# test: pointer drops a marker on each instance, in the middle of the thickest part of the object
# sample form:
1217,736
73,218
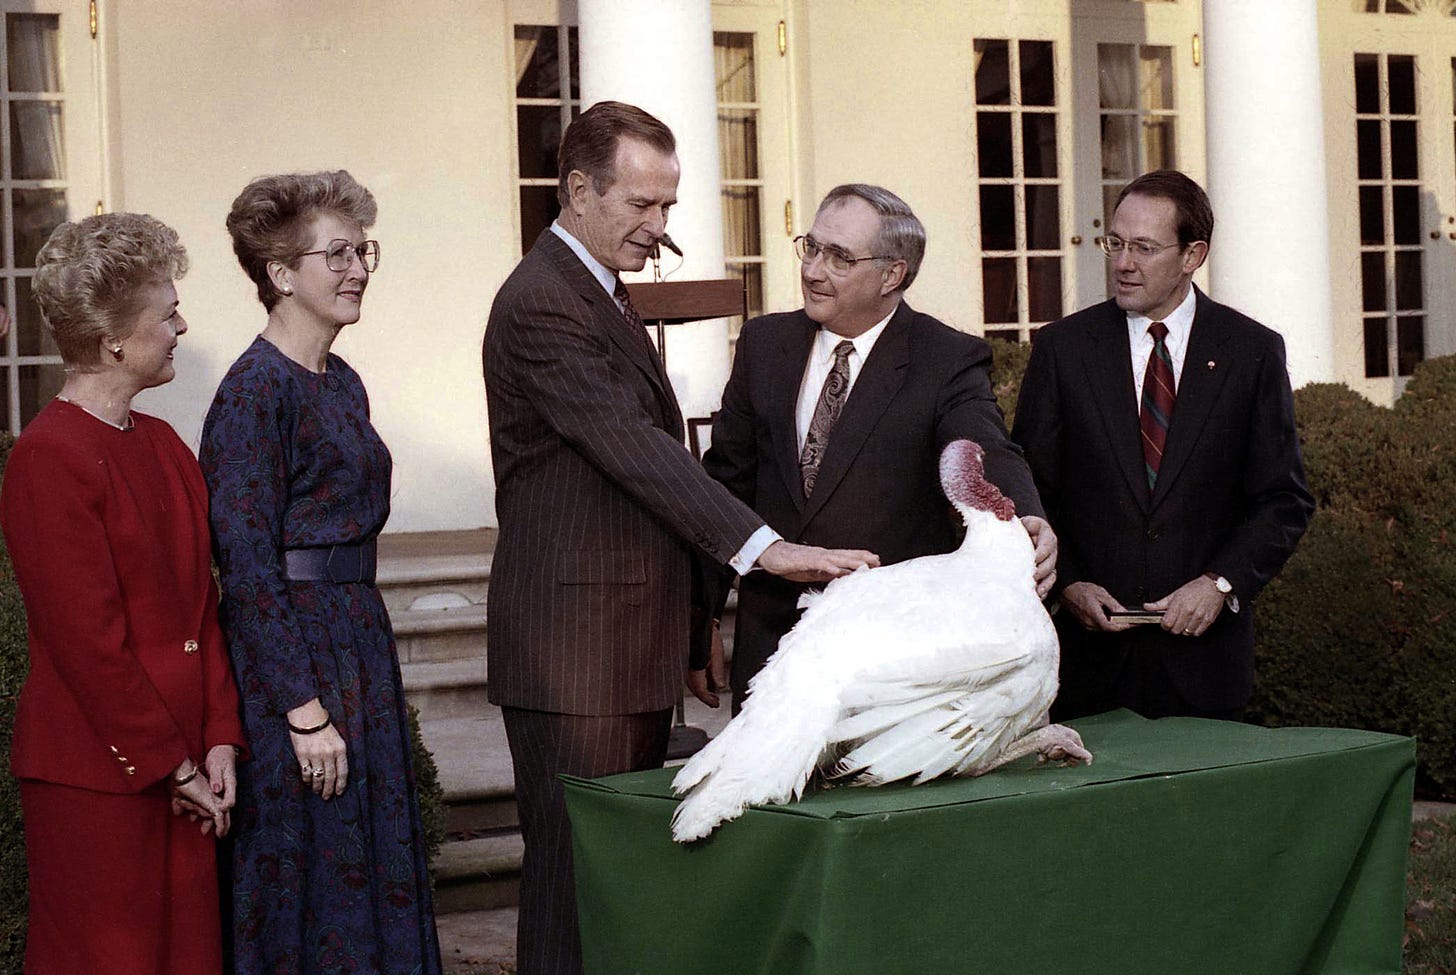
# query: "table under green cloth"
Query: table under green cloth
1189,846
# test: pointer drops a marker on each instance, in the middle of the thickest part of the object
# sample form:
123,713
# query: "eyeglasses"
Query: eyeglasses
836,259
340,253
1112,246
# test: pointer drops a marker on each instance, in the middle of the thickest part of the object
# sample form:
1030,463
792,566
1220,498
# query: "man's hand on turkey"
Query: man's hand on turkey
807,563
1044,541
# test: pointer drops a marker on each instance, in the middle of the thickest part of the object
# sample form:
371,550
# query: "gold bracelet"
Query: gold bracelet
179,783
309,731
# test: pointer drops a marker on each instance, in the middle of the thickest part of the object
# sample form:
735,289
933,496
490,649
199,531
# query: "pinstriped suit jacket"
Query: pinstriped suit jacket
602,510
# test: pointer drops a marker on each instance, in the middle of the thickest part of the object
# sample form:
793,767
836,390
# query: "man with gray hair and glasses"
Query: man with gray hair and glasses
835,415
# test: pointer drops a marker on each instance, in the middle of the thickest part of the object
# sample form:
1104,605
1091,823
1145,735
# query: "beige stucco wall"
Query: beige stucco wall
411,98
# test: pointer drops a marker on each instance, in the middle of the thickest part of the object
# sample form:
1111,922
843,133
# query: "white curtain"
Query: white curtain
737,141
526,40
1117,89
34,67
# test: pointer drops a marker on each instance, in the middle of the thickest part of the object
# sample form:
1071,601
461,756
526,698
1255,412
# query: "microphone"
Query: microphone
666,241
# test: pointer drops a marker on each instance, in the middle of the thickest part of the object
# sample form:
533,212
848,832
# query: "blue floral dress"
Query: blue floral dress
292,461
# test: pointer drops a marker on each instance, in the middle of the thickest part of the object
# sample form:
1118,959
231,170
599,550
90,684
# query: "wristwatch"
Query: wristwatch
1220,583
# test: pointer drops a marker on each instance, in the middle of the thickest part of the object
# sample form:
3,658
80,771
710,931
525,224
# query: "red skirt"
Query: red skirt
118,885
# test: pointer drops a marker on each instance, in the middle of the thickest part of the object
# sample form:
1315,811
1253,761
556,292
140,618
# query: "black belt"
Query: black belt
332,563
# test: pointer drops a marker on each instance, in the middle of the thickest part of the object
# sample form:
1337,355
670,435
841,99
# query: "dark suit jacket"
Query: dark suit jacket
923,385
600,505
1231,496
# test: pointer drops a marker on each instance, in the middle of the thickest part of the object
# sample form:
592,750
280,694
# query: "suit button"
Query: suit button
1152,535
190,646
113,750
131,770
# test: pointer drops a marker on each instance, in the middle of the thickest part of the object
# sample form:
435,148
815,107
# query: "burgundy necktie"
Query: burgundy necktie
1157,405
826,412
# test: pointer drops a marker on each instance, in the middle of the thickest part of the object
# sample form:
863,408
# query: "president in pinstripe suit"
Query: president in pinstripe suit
605,518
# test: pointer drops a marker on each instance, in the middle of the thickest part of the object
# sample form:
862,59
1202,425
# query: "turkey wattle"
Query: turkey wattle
942,664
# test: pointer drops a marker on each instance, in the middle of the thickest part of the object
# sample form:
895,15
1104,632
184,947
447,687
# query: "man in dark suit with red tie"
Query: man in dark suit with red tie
834,416
1160,427
603,512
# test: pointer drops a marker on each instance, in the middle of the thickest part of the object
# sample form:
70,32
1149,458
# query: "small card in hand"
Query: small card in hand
1135,615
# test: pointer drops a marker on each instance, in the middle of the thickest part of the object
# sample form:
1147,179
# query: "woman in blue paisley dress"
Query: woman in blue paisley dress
328,866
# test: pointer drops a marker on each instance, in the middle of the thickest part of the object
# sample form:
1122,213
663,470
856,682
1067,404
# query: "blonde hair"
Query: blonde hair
89,274
270,219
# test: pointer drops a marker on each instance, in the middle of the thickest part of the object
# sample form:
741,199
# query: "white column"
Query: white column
658,55
1266,174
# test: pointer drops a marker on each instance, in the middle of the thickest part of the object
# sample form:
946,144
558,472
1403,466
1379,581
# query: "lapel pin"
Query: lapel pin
1210,363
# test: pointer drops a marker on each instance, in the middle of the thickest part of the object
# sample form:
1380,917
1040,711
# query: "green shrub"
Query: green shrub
1360,628
1008,365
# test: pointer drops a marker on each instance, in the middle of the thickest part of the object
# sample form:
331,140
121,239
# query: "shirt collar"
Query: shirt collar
605,276
825,340
1179,321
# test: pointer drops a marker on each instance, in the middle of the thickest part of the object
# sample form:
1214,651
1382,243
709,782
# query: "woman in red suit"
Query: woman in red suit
128,721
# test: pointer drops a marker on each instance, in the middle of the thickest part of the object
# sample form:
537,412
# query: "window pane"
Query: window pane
1116,74
538,209
993,143
37,213
1372,215
998,218
1109,204
1372,280
1044,288
993,73
733,60
1367,151
33,52
1119,146
1043,218
1404,153
1409,290
38,385
1039,144
1402,68
538,136
738,138
1410,343
998,288
538,68
1367,84
741,234
1157,63
31,335
1158,149
752,277
574,65
1406,214
1377,355
36,151
1038,80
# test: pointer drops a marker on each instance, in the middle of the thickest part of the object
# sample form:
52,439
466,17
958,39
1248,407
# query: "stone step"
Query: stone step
446,688
436,634
478,874
416,582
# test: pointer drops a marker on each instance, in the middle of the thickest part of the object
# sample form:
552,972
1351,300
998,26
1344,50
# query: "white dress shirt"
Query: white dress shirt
1180,323
821,360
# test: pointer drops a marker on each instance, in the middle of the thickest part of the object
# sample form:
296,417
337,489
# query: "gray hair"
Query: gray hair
901,236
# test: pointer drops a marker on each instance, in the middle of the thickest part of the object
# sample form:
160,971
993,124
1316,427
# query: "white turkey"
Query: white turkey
942,664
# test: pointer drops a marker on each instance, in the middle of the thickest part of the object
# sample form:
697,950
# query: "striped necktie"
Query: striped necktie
1157,405
826,413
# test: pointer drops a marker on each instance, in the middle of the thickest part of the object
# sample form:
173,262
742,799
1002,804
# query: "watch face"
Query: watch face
1224,586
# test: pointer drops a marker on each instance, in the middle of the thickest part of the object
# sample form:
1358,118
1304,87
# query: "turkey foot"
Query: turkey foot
1052,743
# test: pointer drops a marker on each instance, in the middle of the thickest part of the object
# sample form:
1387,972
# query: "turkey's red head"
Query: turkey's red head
963,479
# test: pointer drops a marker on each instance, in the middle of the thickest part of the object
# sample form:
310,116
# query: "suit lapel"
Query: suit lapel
795,342
1109,376
1205,365
879,379
633,341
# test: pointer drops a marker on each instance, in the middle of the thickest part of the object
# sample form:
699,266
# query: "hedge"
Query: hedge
13,663
1359,630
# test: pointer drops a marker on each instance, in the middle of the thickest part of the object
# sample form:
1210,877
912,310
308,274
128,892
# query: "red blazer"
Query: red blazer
129,675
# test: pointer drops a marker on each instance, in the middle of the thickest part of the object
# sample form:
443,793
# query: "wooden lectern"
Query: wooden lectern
661,304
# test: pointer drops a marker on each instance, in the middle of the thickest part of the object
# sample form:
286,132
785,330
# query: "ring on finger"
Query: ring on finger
317,773
308,770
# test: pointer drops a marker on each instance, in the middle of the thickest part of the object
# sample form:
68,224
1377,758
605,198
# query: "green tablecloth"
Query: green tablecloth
1189,846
